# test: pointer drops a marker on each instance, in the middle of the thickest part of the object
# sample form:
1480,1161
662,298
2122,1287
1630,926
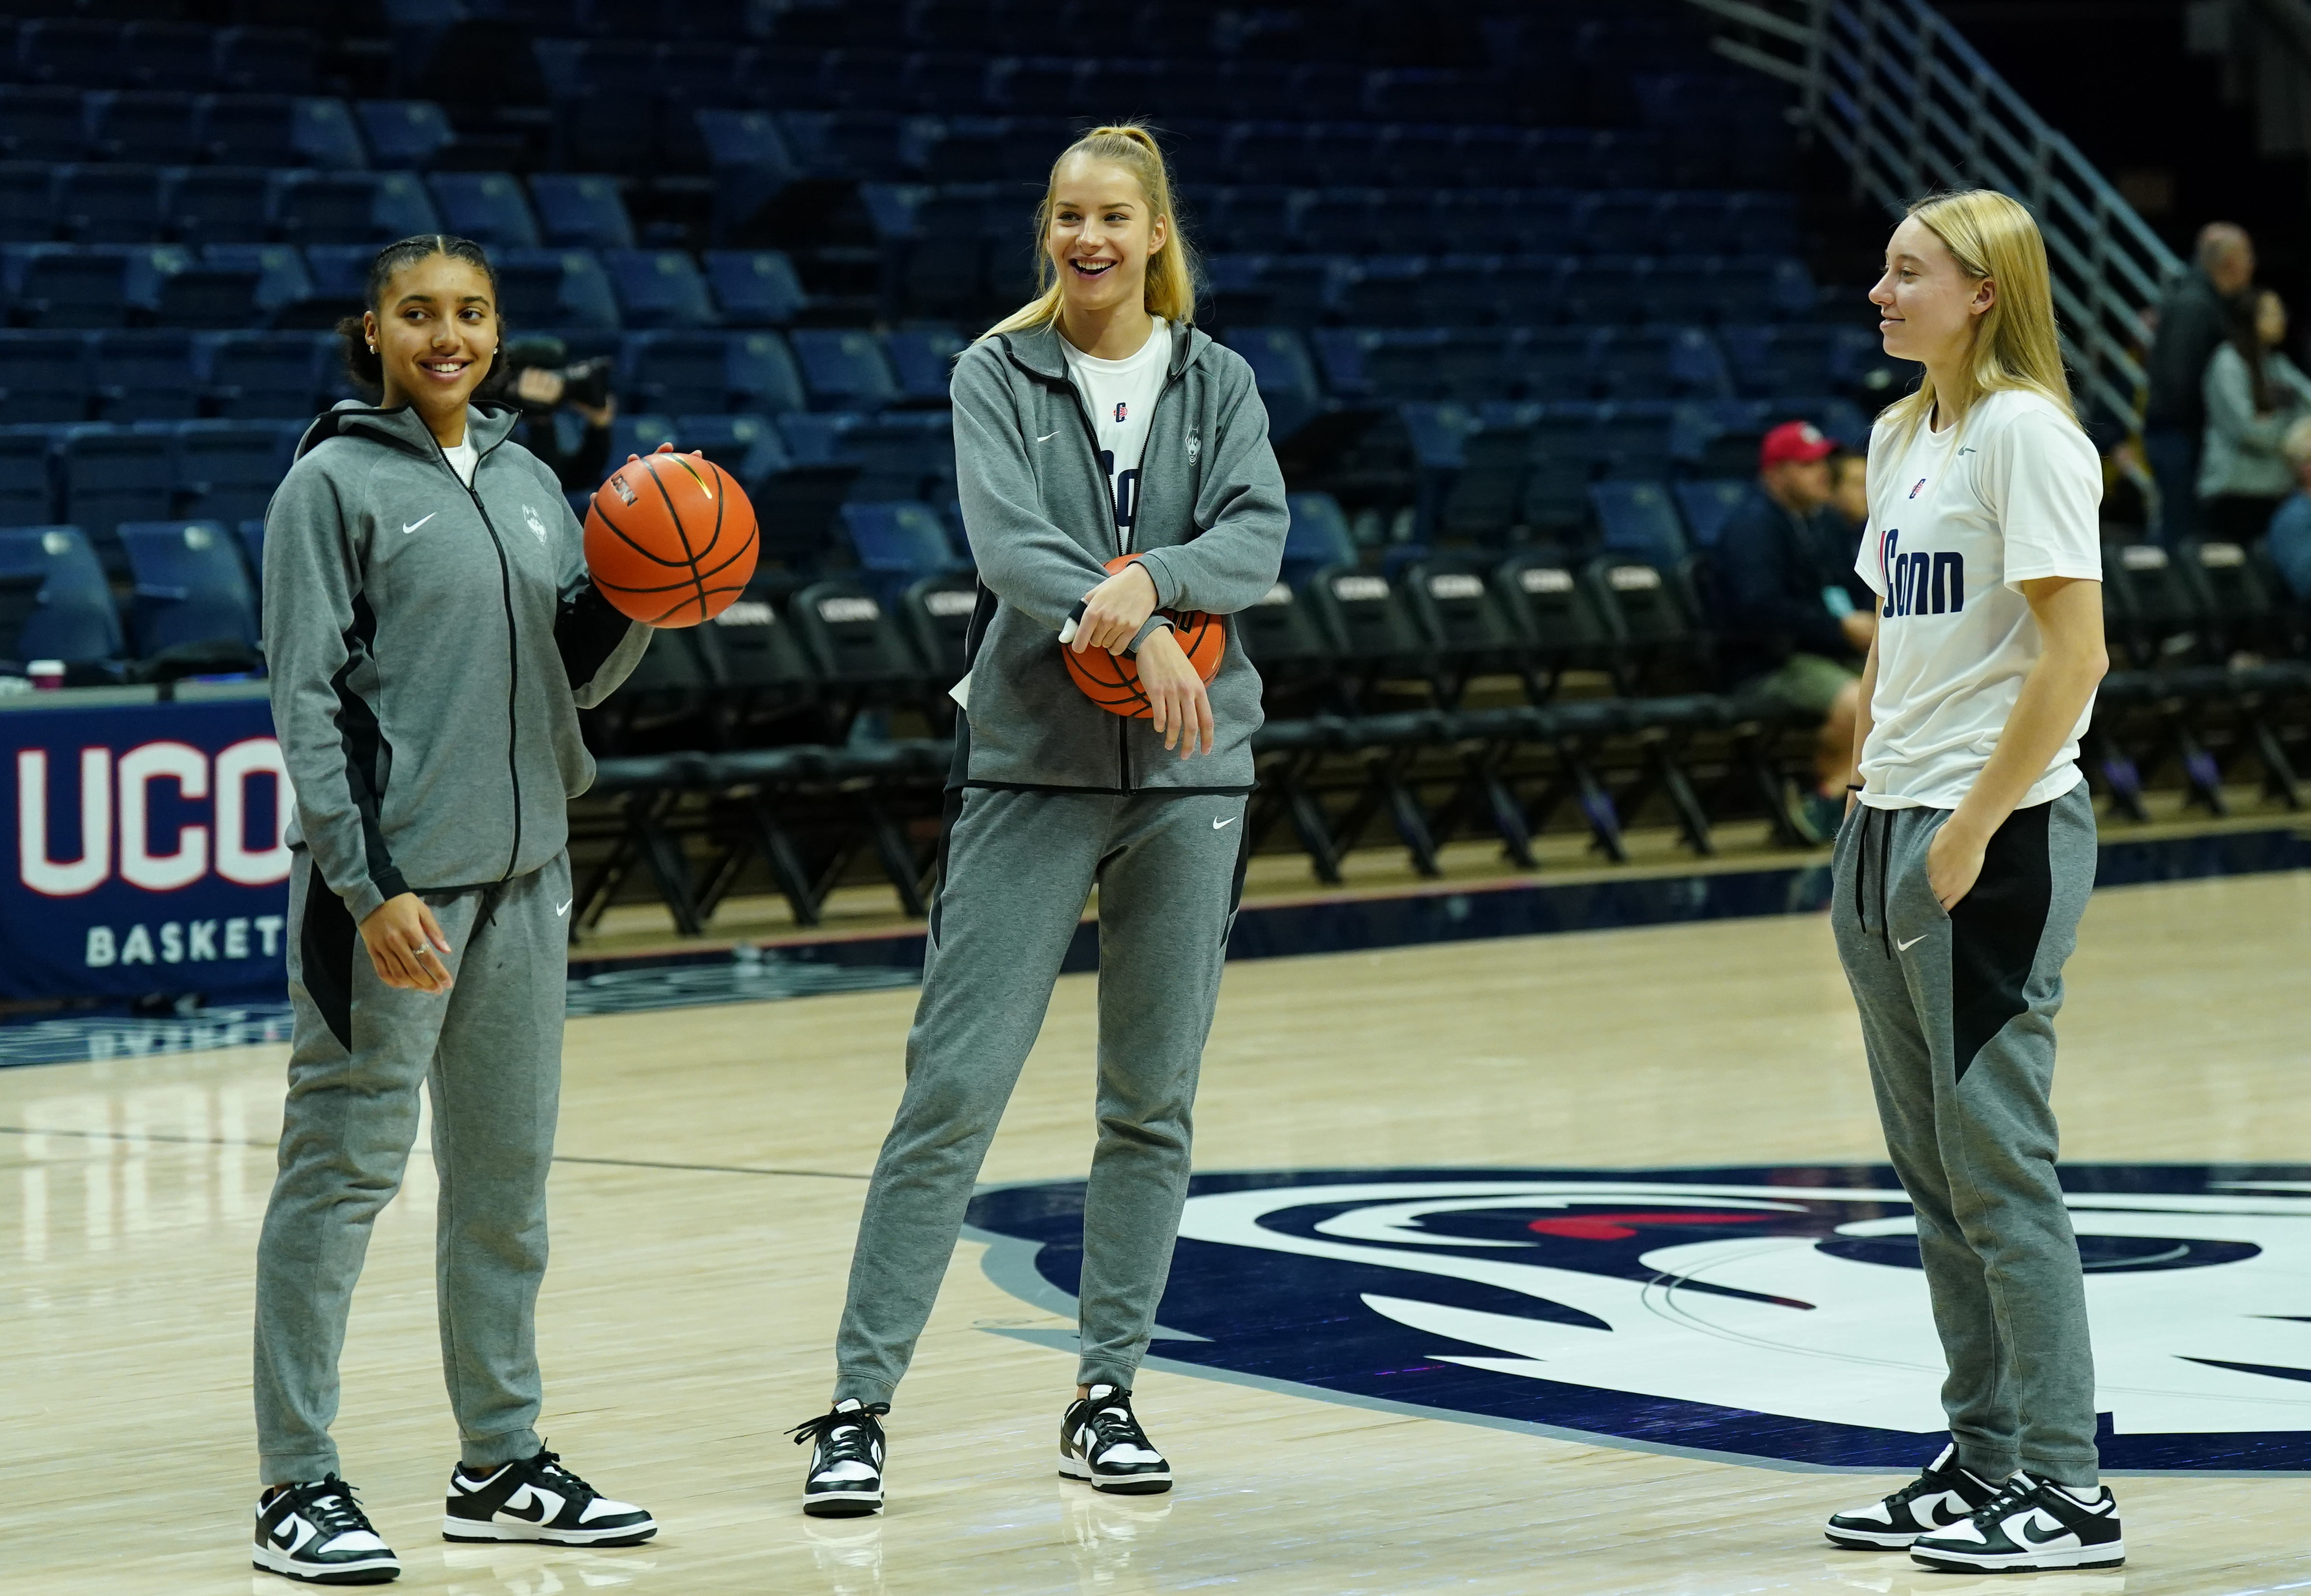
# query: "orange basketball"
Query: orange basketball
1111,681
670,539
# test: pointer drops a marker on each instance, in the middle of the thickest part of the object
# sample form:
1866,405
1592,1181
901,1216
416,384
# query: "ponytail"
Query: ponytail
1171,291
361,362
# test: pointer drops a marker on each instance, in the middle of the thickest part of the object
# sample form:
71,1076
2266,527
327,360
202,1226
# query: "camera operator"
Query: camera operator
540,378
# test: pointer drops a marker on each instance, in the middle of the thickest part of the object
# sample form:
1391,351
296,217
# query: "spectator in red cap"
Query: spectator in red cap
1789,630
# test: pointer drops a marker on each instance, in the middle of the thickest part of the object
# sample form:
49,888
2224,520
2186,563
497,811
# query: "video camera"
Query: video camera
582,383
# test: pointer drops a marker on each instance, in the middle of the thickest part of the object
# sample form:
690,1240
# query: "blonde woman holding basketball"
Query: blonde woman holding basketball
1963,866
1095,423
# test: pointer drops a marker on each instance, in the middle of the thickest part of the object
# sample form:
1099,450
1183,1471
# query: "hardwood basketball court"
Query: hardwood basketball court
712,1173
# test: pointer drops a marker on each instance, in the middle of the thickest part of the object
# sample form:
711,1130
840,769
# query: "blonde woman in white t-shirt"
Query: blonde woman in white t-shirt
1962,868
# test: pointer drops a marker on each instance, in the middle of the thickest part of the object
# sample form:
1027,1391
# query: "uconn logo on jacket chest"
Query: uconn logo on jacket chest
1920,582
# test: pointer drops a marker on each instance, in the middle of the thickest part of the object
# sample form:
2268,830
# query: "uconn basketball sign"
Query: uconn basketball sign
1772,1315
148,851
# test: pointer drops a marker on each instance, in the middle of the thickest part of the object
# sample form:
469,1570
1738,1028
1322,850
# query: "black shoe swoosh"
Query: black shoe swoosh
2030,1532
535,1513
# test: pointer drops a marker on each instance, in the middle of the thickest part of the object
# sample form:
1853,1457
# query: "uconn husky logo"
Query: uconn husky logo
1774,1315
1929,582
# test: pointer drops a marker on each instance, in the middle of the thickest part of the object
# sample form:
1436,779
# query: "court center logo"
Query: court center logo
1774,1315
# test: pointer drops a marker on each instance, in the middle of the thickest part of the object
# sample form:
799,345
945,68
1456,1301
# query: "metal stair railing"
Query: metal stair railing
1910,106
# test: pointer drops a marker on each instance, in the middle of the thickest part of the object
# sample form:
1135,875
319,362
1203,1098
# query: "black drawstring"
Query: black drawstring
1885,892
1869,822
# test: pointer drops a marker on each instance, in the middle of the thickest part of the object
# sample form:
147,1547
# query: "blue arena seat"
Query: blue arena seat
44,377
755,287
1638,517
487,206
641,433
583,209
1707,505
76,621
81,52
747,446
220,205
571,290
761,373
28,203
1287,377
659,288
133,126
843,368
676,373
1318,536
41,124
282,277
110,475
28,495
312,207
188,292
898,543
174,56
56,285
278,130
227,470
190,586
266,60
142,374
404,133
922,359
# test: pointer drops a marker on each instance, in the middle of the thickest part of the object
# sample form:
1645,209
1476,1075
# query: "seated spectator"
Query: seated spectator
2254,395
1843,525
2290,538
1783,634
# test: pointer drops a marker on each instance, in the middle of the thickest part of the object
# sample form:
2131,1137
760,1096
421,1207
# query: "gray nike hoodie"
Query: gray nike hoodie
429,646
1041,524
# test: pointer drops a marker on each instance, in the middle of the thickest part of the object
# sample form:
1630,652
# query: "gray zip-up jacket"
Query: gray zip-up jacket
1036,507
430,647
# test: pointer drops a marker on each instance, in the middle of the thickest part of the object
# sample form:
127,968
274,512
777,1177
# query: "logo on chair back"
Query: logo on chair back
1774,1314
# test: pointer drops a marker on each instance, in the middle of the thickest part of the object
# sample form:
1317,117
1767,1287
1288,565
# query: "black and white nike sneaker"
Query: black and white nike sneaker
1101,1441
846,1460
536,1498
317,1532
1944,1495
2031,1526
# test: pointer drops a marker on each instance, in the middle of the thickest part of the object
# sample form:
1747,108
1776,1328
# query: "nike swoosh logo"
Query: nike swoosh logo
421,521
2055,1531
1912,942
533,1511
1224,824
1047,437
565,906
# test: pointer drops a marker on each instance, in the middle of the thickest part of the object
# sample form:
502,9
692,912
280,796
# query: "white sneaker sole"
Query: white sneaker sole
369,1571
842,1505
1118,1484
491,1530
1870,1540
2107,1555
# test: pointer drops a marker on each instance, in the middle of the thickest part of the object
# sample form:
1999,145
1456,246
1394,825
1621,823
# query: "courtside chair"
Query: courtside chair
1456,608
861,654
404,133
190,587
142,374
1373,635
486,207
75,621
583,210
936,611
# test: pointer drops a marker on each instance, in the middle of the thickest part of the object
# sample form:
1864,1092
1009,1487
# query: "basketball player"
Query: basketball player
1094,422
1962,870
431,636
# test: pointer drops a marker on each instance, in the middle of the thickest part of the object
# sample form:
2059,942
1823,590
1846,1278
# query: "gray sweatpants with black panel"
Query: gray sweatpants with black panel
1017,868
489,1051
1957,1016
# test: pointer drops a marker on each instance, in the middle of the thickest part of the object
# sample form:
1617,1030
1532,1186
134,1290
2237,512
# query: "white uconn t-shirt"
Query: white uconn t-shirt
1121,394
1957,519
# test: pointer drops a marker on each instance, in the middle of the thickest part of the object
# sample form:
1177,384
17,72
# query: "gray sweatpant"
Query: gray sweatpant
1014,872
489,1053
1957,1016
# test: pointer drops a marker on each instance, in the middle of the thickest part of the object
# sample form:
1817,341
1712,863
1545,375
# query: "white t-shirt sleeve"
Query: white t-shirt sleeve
2044,481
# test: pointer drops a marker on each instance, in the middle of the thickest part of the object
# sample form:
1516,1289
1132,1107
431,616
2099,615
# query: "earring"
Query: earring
372,349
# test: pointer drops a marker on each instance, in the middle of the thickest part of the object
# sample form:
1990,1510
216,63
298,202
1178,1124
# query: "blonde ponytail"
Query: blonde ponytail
2016,345
1170,270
